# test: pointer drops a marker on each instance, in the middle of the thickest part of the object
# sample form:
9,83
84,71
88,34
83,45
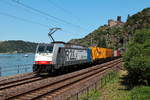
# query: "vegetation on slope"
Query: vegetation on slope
104,36
118,35
137,57
138,21
17,47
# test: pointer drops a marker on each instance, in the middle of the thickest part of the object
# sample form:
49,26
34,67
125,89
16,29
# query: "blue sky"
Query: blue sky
83,17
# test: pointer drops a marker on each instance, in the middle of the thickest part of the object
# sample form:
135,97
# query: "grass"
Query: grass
92,95
140,93
113,89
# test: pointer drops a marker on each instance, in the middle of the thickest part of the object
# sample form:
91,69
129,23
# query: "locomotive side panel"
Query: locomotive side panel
71,56
60,58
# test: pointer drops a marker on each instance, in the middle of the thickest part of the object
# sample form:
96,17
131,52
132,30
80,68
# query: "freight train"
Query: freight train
51,57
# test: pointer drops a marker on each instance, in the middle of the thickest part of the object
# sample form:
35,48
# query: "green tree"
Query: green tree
137,57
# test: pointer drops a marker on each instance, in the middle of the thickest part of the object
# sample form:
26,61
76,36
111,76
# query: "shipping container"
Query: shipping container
101,53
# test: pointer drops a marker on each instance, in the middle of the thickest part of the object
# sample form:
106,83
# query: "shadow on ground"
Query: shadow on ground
129,82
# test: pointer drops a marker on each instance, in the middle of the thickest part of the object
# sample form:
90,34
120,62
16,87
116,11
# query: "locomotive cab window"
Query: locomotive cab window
49,49
41,49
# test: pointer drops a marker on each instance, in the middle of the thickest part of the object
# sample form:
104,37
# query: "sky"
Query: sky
30,20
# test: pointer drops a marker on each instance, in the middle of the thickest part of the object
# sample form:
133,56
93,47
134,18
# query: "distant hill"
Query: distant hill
17,46
118,35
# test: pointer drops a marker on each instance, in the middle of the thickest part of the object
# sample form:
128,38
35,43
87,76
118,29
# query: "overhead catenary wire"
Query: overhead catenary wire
23,19
26,20
64,10
30,21
27,10
68,12
47,14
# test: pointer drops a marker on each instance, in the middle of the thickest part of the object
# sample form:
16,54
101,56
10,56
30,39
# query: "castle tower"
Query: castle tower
118,18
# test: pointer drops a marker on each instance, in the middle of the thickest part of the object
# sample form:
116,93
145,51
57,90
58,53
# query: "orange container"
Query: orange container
109,53
100,53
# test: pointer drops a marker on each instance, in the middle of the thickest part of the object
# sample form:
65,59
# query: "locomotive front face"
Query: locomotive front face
44,54
43,58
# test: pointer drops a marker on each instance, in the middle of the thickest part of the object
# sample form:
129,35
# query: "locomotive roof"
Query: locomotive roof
46,44
60,42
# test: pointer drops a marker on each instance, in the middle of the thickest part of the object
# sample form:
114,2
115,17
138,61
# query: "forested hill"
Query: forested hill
17,46
116,36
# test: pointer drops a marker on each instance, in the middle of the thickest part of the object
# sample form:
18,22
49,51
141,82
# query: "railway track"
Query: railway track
15,78
48,88
19,82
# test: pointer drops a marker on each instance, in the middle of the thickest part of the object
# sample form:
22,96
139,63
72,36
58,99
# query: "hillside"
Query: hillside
118,35
17,46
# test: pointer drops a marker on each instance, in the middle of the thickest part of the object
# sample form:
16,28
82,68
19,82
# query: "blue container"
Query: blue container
89,55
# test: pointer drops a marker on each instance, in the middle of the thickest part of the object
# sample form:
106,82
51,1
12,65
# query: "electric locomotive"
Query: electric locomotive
56,55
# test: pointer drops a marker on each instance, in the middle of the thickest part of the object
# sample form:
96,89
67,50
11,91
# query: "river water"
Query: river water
11,64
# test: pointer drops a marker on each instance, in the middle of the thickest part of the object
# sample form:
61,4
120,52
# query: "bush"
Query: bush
137,57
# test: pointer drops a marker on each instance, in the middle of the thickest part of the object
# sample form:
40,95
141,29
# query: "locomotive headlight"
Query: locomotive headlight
43,62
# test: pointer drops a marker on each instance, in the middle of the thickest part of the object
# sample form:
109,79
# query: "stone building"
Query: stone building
112,22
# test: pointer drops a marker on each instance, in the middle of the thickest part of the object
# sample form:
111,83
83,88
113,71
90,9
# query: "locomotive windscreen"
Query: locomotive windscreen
45,49
49,49
41,49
